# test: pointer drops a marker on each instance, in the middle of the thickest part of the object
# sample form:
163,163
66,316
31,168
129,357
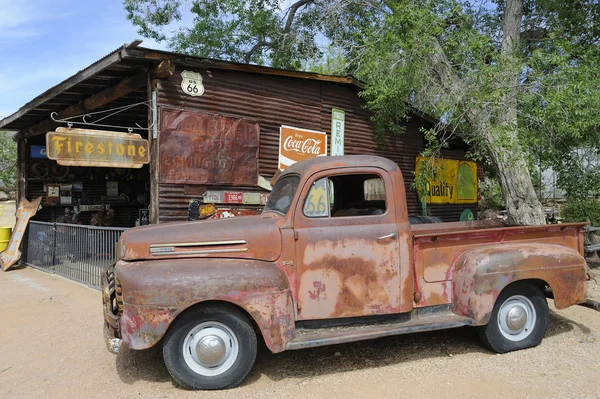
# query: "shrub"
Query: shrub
490,196
582,211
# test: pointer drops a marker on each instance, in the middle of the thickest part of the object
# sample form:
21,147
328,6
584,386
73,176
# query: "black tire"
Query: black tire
492,334
209,316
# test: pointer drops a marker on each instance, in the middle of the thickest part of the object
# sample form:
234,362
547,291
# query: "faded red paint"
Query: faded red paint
482,273
285,268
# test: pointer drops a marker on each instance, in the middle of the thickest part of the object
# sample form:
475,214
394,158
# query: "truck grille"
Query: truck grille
119,297
115,292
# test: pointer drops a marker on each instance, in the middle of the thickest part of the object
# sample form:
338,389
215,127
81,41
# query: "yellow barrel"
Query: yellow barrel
5,233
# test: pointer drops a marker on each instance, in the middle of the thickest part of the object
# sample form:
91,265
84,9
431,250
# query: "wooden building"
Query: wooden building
251,102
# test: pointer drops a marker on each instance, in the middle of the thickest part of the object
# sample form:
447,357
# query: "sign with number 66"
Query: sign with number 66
191,83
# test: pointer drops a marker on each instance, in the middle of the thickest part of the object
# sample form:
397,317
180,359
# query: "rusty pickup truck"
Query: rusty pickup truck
331,259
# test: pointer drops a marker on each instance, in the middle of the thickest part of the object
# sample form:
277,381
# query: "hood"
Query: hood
250,237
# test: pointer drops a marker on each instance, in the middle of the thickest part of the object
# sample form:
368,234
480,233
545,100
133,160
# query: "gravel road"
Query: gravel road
51,346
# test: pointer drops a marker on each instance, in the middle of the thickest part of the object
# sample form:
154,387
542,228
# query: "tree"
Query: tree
509,77
8,161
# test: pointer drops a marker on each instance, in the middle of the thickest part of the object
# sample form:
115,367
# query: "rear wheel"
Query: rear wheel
213,347
519,319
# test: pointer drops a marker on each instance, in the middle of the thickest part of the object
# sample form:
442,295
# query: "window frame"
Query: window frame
375,173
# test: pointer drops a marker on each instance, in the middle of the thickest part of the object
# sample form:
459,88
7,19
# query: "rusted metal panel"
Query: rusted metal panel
436,253
482,273
198,148
260,288
347,267
84,147
187,239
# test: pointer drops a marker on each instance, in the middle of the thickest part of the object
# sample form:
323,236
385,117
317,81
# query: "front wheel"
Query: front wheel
212,347
519,319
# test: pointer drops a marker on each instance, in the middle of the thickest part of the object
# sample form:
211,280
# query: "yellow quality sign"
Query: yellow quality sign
84,147
455,181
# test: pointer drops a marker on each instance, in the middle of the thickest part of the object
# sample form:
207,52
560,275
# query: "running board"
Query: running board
309,338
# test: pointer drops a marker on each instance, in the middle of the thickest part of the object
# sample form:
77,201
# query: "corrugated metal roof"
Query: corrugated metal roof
122,63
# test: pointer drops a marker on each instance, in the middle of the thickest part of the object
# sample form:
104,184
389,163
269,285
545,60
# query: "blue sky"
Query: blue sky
43,42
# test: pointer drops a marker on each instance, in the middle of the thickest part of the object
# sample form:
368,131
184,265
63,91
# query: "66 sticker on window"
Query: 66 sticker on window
191,83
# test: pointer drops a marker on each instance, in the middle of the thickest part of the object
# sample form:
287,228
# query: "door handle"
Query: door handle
387,237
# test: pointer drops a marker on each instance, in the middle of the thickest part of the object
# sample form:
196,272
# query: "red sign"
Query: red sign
233,198
205,149
299,144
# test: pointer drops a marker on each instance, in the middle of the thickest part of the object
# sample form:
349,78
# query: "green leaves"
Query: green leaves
8,161
442,57
256,31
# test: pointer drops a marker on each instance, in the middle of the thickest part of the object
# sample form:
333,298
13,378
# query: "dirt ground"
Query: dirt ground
51,346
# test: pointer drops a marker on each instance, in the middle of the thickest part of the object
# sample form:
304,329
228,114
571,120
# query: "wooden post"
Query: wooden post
154,161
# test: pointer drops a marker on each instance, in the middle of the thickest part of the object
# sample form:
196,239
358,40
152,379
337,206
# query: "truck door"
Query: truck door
347,251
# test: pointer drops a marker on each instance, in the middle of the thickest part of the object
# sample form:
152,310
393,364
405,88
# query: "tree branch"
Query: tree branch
292,13
259,44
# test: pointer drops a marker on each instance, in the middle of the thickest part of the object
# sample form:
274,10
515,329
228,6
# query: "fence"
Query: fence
73,251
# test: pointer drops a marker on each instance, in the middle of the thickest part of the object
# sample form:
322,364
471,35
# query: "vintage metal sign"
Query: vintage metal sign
233,197
455,181
299,144
26,210
83,147
338,118
204,149
191,83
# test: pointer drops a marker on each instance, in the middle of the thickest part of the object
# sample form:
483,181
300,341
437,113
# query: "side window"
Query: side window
346,196
317,201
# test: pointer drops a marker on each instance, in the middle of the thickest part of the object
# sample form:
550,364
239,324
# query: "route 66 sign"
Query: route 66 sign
191,83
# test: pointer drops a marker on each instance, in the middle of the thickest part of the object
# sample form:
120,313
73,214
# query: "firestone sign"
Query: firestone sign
84,147
299,144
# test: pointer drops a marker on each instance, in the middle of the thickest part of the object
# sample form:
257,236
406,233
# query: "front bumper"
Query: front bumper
110,308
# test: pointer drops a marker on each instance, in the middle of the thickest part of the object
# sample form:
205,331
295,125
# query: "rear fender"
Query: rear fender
480,275
156,292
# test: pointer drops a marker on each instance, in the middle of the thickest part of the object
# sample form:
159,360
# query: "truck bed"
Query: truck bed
437,246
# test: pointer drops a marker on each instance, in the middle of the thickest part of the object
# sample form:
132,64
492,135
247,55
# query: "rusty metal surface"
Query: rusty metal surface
198,148
85,147
343,268
436,254
482,273
282,269
187,239
150,305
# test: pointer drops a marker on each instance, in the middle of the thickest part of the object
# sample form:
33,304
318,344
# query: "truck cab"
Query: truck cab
332,259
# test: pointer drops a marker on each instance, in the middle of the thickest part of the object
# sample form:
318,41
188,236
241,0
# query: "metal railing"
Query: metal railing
73,251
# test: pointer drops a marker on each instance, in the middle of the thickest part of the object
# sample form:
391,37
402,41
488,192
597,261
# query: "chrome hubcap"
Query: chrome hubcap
210,348
516,318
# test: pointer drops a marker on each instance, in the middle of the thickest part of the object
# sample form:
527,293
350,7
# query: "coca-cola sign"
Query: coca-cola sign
299,144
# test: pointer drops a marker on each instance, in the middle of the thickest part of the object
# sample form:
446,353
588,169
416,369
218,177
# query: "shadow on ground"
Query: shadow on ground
148,365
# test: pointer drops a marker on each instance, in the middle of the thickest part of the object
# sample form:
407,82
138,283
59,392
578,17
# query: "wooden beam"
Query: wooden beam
164,70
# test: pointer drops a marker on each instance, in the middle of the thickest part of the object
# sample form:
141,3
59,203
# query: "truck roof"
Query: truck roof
319,163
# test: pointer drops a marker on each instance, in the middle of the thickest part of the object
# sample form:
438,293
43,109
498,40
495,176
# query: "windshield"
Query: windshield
283,192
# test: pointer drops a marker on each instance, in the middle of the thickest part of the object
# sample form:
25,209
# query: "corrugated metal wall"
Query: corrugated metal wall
273,101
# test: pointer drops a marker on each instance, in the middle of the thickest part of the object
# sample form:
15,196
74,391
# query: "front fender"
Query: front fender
480,274
156,292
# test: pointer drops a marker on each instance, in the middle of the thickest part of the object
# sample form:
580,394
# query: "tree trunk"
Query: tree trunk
522,204
498,135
